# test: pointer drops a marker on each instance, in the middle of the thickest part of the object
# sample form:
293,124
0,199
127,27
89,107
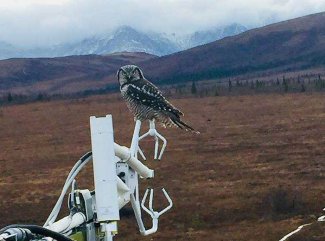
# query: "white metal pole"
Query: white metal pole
102,142
135,139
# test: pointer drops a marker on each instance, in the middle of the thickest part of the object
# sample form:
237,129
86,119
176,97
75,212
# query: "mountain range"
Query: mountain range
125,38
288,46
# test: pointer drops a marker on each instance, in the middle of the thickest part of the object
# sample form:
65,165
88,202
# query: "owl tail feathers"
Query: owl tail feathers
183,125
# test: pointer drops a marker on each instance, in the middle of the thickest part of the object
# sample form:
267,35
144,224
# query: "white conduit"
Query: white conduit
293,232
68,223
73,173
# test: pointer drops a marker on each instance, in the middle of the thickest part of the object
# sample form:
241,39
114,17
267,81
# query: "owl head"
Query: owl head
128,74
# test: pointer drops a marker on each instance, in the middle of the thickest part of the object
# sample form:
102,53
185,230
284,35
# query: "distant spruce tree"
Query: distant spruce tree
319,83
257,84
303,88
277,81
193,88
252,85
285,84
40,97
9,97
229,85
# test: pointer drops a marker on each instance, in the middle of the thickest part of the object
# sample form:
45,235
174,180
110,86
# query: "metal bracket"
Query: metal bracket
154,133
153,214
134,196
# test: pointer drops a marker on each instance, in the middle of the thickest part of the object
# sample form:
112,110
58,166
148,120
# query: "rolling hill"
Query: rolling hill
290,45
64,74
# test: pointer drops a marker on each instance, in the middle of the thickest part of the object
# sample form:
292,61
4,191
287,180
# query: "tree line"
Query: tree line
283,84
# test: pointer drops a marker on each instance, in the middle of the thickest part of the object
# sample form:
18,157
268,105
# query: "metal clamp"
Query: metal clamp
135,148
150,211
153,214
153,132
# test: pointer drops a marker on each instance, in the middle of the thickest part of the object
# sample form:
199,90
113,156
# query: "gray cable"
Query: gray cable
73,173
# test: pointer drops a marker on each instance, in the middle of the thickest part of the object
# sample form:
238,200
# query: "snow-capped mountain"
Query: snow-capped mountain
126,39
204,37
129,39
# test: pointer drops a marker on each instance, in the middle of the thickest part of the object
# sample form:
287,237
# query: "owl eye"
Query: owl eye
121,76
137,73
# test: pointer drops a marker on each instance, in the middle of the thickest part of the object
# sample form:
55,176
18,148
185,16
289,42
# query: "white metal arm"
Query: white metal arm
153,214
150,211
134,196
151,132
135,139
125,154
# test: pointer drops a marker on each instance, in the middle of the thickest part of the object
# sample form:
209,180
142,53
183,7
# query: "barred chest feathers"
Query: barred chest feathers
136,106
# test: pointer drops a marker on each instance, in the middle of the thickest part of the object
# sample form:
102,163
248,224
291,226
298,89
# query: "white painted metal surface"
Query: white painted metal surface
102,143
109,229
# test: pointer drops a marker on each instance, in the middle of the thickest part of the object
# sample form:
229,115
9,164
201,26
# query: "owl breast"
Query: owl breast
144,112
140,111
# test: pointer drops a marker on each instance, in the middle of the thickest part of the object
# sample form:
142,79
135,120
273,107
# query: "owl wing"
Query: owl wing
148,94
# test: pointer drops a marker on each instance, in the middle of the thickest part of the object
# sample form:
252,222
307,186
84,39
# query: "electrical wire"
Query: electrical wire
73,173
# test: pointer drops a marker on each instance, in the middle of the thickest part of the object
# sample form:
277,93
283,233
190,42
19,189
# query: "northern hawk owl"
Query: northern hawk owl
145,100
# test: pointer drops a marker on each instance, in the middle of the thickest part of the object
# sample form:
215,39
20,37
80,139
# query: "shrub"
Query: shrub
283,201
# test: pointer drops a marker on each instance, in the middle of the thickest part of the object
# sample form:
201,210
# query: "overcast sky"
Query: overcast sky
45,22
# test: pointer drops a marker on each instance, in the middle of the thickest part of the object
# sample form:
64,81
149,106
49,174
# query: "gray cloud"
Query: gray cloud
40,23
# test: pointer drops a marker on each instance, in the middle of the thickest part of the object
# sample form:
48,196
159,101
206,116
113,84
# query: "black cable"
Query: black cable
84,157
35,229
